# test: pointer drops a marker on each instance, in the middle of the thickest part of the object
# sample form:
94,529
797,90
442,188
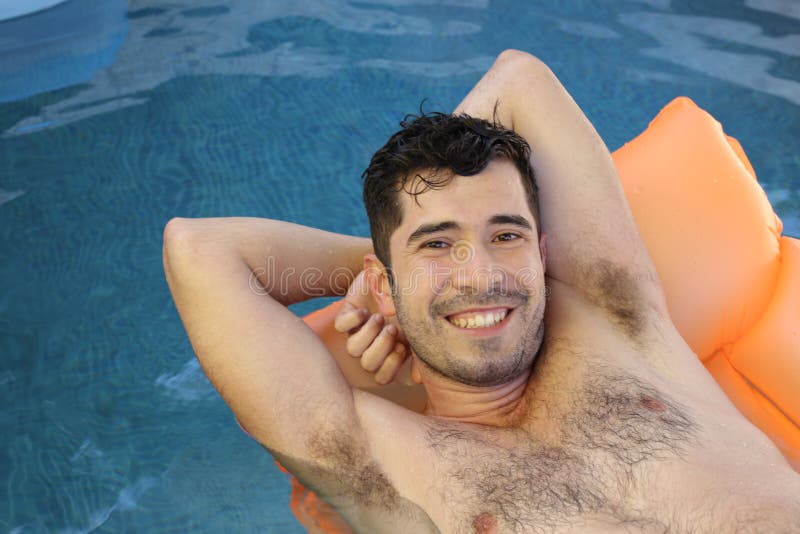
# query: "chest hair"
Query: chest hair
614,425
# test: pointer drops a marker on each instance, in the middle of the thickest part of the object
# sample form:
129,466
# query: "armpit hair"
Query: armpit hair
614,288
340,468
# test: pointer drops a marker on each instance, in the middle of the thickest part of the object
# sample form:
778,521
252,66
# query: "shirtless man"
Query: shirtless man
604,422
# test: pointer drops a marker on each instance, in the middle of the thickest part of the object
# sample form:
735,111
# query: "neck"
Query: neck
501,406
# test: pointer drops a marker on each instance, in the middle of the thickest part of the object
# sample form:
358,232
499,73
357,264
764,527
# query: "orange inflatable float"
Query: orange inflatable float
732,281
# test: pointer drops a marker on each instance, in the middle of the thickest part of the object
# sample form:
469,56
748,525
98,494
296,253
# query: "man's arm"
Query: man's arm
231,280
592,241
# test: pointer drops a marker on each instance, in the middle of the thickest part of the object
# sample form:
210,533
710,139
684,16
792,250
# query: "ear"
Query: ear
378,282
543,251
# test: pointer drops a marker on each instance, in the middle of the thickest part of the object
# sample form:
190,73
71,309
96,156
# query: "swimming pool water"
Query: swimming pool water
116,116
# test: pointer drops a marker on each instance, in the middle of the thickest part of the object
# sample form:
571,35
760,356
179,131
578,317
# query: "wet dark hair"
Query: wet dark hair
442,146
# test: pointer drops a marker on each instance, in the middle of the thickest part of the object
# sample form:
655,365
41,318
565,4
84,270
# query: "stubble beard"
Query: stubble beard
485,365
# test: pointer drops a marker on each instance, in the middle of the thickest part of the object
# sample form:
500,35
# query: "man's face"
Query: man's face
469,277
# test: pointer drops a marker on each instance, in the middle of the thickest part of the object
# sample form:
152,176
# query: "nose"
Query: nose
474,268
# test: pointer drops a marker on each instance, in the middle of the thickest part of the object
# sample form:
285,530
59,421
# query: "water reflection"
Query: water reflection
186,37
587,29
58,47
10,8
697,43
8,196
788,8
430,68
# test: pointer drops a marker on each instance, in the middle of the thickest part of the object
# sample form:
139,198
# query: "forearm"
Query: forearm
572,166
286,261
583,208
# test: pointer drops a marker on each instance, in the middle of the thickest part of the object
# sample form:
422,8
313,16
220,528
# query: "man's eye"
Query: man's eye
435,244
508,236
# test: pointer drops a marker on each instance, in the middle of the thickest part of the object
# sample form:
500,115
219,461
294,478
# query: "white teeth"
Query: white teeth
480,321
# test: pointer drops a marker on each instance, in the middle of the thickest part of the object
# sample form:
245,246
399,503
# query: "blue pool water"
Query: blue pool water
116,116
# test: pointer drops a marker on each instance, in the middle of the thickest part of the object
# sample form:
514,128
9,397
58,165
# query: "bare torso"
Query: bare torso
616,432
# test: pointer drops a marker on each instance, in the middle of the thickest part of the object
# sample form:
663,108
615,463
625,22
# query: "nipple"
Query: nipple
652,404
485,523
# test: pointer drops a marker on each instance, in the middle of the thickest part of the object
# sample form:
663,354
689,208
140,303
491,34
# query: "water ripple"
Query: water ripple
787,8
165,42
684,41
587,29
437,69
127,499
187,384
8,196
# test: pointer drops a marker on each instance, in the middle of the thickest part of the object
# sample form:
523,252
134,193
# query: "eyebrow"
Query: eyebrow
433,228
516,220
428,229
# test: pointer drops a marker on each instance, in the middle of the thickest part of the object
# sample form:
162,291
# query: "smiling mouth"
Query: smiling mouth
478,318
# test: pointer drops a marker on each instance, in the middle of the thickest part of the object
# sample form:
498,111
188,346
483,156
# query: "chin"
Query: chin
480,368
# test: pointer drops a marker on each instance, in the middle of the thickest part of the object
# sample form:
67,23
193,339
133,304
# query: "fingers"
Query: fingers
391,365
371,340
358,342
379,349
349,317
384,356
